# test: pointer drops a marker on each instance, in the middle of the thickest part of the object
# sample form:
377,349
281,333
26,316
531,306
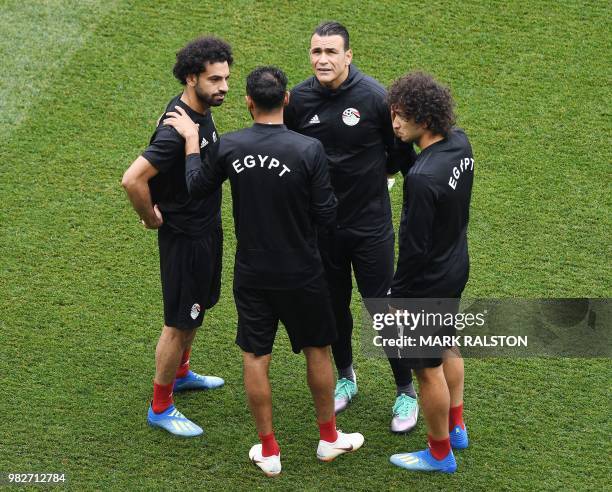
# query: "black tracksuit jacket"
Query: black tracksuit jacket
433,250
354,125
280,192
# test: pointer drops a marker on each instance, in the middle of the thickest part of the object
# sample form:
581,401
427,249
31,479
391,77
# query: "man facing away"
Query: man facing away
280,193
433,256
347,111
189,229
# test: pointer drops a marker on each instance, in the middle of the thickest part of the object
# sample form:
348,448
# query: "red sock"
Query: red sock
269,445
455,417
183,369
327,430
162,396
439,449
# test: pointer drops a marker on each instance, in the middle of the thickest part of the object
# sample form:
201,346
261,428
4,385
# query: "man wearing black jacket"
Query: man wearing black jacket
346,110
280,193
433,255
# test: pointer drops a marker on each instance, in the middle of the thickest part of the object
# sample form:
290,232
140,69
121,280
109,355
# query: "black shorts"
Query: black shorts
190,275
417,357
306,313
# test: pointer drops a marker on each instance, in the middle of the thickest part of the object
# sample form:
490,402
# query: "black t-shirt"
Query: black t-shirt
166,152
433,251
280,192
354,125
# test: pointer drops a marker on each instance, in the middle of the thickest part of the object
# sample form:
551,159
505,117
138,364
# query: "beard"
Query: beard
207,99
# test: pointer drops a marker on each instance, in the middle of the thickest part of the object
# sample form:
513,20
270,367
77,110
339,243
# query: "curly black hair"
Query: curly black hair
417,95
192,59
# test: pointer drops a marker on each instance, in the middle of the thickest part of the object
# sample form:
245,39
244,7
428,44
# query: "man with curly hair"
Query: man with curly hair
433,254
189,230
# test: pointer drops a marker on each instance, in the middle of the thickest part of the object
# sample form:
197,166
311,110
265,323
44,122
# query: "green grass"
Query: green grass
80,311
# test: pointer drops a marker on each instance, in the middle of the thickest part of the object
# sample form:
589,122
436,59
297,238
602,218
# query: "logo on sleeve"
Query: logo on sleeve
195,311
214,137
314,120
351,116
466,164
204,143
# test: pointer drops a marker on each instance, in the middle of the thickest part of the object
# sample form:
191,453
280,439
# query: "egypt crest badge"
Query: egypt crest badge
350,116
195,311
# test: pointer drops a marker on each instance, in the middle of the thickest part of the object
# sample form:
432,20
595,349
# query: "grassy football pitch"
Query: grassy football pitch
82,85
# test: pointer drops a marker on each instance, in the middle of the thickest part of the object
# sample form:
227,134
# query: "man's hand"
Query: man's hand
155,221
182,123
136,184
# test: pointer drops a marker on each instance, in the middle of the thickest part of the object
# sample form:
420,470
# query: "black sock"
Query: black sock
408,390
347,373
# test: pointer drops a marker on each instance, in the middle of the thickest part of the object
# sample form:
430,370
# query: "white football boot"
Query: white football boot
345,443
270,465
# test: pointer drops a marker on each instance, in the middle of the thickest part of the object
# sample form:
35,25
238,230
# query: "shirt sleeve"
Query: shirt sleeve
289,116
165,149
204,177
323,205
400,155
416,228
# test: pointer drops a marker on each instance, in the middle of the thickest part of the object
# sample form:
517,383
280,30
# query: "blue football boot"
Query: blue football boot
424,461
459,438
174,422
195,381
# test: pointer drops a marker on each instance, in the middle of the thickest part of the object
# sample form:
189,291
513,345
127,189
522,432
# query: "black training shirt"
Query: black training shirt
433,251
166,152
354,125
280,191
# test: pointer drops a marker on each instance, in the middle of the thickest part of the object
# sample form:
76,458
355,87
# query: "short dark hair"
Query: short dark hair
267,87
418,95
333,28
192,59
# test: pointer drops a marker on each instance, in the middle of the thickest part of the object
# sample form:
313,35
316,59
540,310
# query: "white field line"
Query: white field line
37,40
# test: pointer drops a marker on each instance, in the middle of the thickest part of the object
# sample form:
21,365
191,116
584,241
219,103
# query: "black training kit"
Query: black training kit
433,251
166,152
280,190
354,125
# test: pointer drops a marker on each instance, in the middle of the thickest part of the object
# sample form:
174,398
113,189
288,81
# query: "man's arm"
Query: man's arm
202,178
416,228
289,118
324,204
136,184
